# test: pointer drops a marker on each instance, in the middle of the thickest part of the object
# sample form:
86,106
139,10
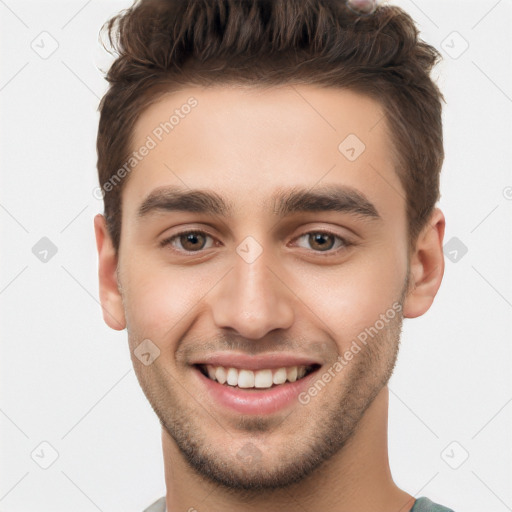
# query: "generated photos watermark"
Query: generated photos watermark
355,348
151,142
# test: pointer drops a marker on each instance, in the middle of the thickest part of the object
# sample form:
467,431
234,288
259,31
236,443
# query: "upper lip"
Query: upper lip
255,362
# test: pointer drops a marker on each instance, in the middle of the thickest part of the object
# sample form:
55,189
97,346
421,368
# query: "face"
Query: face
294,249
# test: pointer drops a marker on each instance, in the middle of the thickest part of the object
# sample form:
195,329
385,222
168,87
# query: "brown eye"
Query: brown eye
192,241
324,241
320,241
188,241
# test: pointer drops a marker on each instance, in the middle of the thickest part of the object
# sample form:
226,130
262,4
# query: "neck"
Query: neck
356,479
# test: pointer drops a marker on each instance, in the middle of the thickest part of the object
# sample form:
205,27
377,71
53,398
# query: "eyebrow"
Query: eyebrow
337,198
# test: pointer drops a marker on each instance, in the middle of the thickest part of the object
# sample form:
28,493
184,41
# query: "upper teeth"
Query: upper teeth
257,379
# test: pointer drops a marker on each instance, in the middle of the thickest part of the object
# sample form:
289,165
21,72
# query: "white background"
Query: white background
68,380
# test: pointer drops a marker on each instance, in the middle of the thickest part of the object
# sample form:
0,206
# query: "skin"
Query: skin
245,144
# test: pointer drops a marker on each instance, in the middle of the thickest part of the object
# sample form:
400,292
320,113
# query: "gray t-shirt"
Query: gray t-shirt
420,505
425,505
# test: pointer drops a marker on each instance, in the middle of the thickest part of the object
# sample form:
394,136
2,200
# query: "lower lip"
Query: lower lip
254,400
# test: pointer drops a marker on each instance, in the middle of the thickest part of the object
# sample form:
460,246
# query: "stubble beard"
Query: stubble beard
331,421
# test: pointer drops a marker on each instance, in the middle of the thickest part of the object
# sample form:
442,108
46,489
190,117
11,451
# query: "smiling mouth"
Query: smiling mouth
259,379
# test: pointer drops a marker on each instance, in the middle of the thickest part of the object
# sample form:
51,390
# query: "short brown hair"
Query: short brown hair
164,45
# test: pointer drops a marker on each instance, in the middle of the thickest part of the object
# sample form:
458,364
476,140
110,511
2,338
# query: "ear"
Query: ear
110,297
426,267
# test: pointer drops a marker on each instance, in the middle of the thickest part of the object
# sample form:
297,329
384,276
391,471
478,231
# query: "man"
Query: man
270,171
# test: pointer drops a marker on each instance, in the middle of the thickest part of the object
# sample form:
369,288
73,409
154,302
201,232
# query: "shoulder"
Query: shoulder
423,504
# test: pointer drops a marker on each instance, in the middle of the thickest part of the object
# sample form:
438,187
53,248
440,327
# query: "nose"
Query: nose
253,299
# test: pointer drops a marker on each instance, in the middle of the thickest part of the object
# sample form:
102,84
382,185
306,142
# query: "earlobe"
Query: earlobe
110,297
426,267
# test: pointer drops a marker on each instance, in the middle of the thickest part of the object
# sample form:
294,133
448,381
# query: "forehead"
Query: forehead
246,142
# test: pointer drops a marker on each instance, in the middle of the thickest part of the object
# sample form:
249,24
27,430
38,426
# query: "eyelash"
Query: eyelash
345,243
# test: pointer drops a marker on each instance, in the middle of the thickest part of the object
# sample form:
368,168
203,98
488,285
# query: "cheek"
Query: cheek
163,302
159,303
350,298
